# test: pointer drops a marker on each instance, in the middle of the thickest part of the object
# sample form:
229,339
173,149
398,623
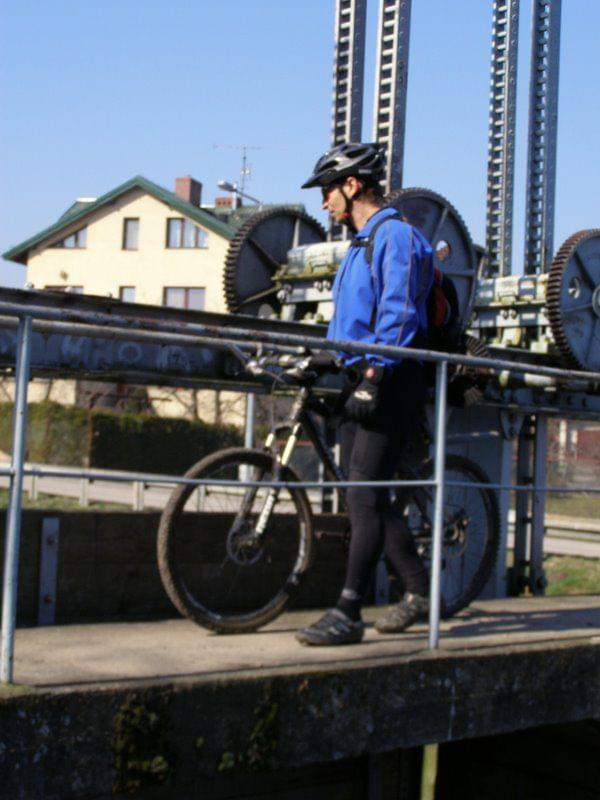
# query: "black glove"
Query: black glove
364,400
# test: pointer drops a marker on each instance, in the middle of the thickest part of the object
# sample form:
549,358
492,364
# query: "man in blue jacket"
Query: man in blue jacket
380,296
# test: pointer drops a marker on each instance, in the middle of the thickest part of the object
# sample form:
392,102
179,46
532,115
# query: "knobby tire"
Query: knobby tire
172,568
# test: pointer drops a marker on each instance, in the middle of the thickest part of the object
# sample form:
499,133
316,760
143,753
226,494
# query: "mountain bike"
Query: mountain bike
234,562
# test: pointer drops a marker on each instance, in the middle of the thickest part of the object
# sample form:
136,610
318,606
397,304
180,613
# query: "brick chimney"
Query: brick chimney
189,189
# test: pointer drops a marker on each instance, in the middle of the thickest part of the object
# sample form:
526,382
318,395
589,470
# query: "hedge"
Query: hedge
67,435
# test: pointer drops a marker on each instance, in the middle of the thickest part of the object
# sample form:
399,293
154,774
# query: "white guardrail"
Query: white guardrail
124,488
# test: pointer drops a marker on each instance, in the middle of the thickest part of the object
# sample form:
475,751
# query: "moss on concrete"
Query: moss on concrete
143,757
11,690
263,741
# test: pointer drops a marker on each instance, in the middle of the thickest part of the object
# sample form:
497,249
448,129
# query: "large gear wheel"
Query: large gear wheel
573,299
257,251
445,230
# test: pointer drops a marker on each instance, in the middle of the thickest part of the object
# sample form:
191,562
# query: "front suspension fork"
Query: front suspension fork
281,461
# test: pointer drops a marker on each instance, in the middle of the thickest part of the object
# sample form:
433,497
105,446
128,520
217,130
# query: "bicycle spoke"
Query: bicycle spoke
470,531
221,572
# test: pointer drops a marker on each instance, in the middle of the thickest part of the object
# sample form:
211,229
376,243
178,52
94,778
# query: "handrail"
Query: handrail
92,324
150,478
88,323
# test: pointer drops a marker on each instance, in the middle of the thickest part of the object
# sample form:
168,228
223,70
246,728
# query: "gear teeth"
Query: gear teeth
474,347
554,291
418,192
232,260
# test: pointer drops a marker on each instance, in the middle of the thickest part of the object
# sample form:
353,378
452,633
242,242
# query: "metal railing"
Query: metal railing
92,489
108,326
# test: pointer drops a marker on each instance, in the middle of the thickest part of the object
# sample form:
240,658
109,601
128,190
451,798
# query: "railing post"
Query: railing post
200,498
248,433
13,516
249,422
441,381
138,495
537,578
84,492
335,497
518,572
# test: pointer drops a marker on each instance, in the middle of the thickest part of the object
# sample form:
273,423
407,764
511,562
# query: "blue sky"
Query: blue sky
95,92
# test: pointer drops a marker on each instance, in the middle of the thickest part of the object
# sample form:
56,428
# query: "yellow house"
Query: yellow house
144,244
139,242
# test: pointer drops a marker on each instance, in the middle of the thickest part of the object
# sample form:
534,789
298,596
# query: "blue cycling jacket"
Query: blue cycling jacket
385,303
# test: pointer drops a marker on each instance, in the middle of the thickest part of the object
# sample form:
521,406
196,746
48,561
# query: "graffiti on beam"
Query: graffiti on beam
82,354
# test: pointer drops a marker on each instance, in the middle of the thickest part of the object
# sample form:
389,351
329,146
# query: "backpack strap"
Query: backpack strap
369,241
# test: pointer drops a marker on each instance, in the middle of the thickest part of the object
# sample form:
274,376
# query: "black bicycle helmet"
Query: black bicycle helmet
363,160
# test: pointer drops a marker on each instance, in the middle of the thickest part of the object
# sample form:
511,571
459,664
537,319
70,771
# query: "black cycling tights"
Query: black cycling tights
371,452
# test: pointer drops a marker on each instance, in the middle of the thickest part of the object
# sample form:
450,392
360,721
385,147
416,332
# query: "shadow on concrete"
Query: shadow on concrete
499,622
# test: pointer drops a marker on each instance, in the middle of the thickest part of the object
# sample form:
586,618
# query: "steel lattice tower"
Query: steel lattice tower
348,79
348,71
391,79
500,172
543,113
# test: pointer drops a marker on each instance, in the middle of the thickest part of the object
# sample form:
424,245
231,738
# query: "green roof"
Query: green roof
80,210
77,206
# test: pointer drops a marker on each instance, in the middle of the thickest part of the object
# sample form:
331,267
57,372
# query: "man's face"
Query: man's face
334,201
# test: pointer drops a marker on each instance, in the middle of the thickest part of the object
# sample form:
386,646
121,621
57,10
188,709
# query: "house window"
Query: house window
184,297
127,294
131,228
76,240
71,289
183,233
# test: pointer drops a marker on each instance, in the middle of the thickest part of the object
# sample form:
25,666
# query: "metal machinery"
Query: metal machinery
280,267
549,315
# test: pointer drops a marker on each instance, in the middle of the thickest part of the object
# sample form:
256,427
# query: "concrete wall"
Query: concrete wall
107,568
59,391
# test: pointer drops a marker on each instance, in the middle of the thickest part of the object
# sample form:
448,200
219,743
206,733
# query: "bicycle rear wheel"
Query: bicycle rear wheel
471,534
213,567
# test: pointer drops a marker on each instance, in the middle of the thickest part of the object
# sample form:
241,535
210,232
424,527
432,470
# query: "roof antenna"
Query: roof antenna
246,169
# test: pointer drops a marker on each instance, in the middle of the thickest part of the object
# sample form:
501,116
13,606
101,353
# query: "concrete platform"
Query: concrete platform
204,705
62,657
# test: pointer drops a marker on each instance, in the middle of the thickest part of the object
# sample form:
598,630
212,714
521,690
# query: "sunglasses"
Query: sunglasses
327,190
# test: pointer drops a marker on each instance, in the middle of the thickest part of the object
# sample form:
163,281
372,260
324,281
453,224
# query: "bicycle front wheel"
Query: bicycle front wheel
218,569
471,530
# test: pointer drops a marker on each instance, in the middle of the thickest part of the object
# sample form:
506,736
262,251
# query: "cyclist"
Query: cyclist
378,299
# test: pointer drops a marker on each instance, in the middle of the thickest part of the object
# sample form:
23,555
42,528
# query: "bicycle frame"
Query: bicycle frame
301,419
298,419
